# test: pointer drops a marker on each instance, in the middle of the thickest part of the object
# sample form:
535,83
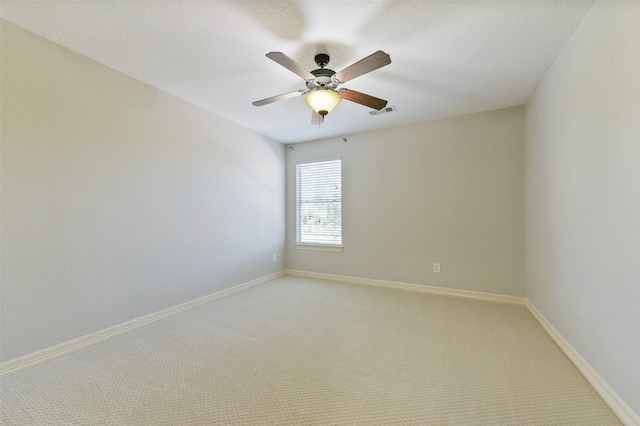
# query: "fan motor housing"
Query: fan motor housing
324,79
323,72
323,76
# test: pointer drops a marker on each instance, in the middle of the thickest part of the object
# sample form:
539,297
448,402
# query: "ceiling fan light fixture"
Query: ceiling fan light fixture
323,101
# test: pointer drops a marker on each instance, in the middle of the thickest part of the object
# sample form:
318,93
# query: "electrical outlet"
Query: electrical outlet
436,268
275,258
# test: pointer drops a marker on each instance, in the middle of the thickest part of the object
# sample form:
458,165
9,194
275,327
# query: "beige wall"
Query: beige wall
448,192
583,194
119,200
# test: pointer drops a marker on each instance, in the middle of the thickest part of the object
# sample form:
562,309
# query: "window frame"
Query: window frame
315,245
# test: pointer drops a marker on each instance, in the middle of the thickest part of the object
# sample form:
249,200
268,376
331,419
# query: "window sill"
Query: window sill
318,247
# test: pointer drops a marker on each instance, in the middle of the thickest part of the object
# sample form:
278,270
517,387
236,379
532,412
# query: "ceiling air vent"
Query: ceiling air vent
384,110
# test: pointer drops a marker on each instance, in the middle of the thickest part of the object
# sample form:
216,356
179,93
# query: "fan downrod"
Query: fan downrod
322,59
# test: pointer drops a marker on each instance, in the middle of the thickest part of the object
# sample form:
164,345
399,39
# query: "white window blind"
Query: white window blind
319,202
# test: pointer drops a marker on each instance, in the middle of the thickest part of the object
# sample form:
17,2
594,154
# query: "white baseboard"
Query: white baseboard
37,358
412,287
613,400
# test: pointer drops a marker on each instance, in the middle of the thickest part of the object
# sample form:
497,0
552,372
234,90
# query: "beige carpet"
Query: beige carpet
301,351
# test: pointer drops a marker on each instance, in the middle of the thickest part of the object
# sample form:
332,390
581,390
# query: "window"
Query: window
319,203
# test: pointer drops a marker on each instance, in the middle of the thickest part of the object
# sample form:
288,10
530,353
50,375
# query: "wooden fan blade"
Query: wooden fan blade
363,66
316,119
290,64
363,99
279,98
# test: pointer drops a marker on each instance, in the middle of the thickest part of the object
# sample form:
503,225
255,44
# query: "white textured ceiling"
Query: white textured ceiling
449,58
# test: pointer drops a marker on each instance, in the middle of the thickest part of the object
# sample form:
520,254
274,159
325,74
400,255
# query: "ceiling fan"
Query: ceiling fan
322,92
